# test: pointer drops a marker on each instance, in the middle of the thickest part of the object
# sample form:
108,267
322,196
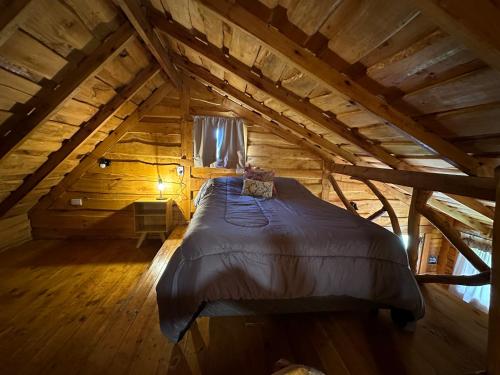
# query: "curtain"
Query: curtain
219,142
477,295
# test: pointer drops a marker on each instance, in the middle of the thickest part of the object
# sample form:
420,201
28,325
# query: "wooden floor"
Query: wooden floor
88,307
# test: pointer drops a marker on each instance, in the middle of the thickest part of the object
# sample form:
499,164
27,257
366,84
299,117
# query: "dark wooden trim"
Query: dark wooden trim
482,278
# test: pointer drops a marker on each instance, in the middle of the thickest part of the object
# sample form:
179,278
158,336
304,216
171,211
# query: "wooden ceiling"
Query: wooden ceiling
384,83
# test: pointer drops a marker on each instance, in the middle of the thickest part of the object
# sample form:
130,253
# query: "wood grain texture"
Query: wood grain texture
90,306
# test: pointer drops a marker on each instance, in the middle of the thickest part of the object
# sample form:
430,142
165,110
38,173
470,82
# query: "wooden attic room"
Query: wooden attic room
249,187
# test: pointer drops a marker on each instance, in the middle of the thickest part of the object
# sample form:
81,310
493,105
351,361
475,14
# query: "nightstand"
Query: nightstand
152,216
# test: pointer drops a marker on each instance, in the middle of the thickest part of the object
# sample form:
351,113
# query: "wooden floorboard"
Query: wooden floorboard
89,307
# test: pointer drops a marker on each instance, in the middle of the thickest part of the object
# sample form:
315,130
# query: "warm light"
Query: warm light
161,185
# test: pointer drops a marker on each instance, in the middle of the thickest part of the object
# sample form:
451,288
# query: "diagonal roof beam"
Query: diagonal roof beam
83,134
98,152
474,23
133,9
239,17
236,67
287,135
303,107
50,100
208,77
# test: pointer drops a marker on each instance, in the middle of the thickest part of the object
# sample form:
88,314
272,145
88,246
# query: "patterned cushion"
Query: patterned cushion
255,173
257,188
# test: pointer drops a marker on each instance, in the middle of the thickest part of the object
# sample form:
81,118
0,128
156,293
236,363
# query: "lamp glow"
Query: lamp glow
161,187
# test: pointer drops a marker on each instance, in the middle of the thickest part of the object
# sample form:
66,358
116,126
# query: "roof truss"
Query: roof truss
238,16
50,99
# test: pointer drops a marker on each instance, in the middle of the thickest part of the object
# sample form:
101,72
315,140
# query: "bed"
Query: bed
292,253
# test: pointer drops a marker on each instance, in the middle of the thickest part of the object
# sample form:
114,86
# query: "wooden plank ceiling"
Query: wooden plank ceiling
382,83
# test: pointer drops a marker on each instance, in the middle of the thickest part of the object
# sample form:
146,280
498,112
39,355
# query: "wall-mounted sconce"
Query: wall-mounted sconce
104,163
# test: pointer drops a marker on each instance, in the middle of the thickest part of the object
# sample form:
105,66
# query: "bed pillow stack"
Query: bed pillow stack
258,182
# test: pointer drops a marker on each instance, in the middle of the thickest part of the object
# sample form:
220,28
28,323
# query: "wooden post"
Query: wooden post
494,315
341,195
418,199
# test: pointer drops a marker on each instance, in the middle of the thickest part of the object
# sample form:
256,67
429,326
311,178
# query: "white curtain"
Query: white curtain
219,142
477,295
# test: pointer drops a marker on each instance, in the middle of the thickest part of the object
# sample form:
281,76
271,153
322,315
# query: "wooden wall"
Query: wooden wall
137,160
160,141
14,231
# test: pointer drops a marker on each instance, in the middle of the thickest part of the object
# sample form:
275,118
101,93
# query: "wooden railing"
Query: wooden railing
424,184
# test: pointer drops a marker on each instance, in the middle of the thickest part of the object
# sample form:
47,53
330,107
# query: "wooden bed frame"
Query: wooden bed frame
424,184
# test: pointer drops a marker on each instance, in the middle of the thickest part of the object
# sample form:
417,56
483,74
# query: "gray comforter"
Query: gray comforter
292,246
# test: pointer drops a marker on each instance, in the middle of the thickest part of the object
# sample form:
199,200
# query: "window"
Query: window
477,295
219,142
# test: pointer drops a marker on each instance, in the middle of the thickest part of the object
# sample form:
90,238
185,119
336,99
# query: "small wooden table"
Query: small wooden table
152,216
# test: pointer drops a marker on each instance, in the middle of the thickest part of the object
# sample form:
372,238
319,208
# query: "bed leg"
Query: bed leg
403,319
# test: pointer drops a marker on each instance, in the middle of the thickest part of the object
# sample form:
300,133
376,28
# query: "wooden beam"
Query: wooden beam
84,133
162,92
278,92
97,153
473,204
134,11
481,278
376,214
418,199
477,187
200,44
49,100
208,77
341,195
238,16
11,16
454,237
387,206
494,313
474,23
460,216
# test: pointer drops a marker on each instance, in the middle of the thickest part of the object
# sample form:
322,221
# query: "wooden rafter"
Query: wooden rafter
238,16
135,13
474,23
285,121
86,131
477,187
49,100
97,153
278,92
342,196
200,44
